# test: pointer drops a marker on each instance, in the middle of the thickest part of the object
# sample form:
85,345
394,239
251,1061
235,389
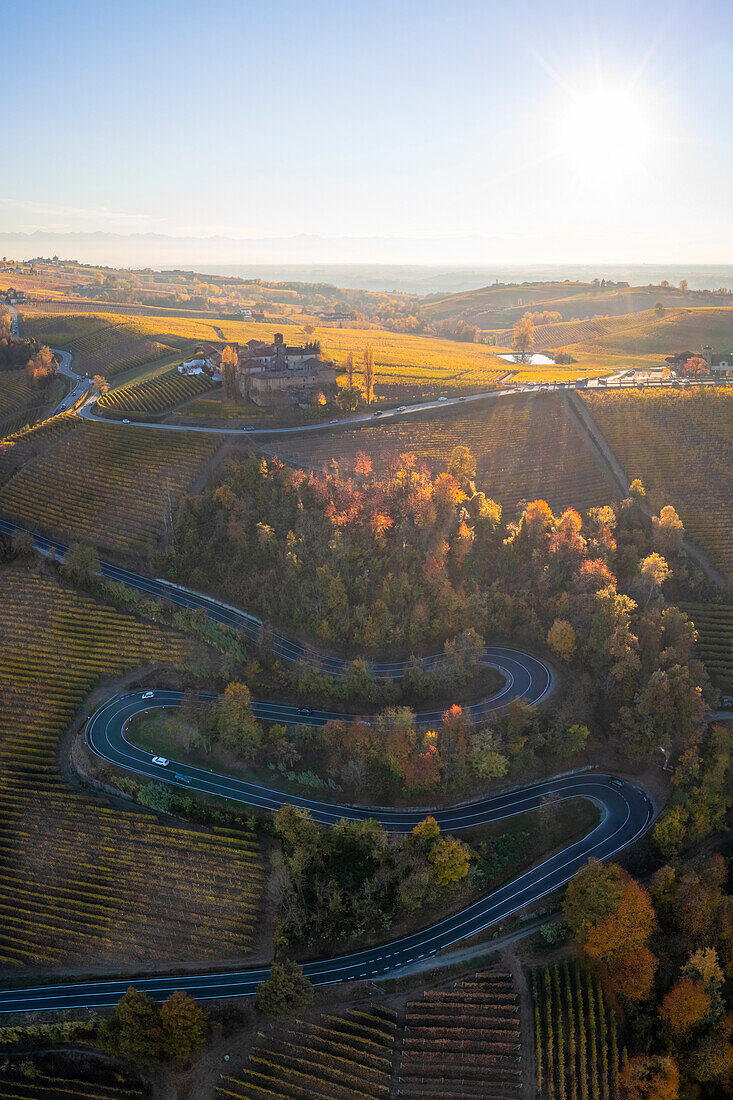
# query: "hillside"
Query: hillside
499,307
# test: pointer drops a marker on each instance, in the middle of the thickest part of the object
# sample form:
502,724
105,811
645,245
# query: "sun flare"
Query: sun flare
605,132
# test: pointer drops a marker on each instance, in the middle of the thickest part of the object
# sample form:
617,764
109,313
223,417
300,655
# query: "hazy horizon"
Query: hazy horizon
395,133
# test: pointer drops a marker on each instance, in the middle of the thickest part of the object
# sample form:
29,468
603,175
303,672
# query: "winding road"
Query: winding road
625,813
625,810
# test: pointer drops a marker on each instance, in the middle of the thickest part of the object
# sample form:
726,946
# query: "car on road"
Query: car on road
441,399
125,421
377,413
333,422
148,694
161,761
305,711
614,781
461,398
401,409
250,428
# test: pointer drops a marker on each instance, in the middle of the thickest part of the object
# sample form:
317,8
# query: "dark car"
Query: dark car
614,781
305,711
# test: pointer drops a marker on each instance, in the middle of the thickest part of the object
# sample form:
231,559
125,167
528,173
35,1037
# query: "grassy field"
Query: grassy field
680,443
76,875
111,485
714,624
525,447
155,395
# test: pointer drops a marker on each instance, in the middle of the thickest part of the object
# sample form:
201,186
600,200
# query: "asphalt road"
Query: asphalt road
625,814
526,677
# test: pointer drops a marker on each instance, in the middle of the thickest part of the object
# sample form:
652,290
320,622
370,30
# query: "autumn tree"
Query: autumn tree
229,363
649,1077
183,1025
524,336
450,859
348,398
637,490
286,994
612,916
235,723
561,639
367,372
684,1006
653,572
134,1030
462,465
668,531
696,366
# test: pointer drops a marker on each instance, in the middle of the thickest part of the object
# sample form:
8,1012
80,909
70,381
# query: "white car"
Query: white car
125,421
147,695
441,399
402,408
161,761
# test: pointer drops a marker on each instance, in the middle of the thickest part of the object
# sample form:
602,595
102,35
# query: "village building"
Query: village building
270,373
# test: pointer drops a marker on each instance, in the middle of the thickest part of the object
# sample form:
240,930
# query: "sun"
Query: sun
605,132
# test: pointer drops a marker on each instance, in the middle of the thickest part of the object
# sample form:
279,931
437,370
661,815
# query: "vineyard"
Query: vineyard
680,444
21,446
155,395
714,624
76,875
114,486
343,1057
110,343
43,1087
20,402
464,1041
576,1038
525,448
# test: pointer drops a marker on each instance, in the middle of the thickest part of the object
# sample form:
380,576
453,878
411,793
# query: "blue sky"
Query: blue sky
453,120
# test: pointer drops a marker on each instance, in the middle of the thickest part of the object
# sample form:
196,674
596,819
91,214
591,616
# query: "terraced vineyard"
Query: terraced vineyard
156,395
680,443
75,875
714,624
525,448
463,1042
576,1039
113,486
343,1057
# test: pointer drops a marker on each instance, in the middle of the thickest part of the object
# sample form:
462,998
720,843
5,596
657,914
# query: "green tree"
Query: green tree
134,1030
81,564
487,762
236,725
286,994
